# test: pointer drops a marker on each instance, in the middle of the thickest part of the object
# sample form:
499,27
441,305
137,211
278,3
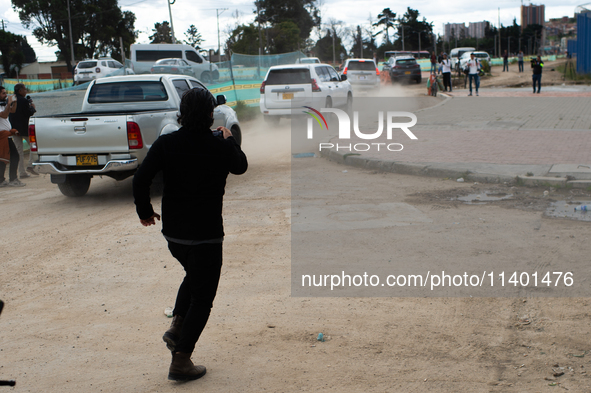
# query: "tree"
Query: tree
386,18
243,39
284,38
12,54
303,13
162,33
97,24
193,37
412,26
323,48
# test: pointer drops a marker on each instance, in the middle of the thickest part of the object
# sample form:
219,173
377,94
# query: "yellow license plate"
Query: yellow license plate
86,159
287,96
407,72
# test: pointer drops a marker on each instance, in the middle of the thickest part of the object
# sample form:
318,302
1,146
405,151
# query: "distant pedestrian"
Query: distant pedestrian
473,66
520,60
446,72
439,60
433,62
20,121
537,64
505,61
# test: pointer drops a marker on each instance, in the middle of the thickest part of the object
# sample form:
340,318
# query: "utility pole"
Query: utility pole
71,39
171,24
260,33
218,13
499,31
3,20
334,56
419,43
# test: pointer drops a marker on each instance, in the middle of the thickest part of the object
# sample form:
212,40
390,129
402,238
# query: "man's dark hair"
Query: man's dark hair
2,88
18,87
196,107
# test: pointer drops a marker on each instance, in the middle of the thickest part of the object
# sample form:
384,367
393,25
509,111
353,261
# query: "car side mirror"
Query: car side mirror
221,99
343,78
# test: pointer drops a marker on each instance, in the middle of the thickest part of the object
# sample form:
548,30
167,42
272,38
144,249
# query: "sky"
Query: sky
203,15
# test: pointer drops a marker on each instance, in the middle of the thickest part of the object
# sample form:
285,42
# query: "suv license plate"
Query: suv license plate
362,78
287,96
86,159
407,73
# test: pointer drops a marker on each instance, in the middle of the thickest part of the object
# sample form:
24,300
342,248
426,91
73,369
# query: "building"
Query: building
532,14
476,29
454,30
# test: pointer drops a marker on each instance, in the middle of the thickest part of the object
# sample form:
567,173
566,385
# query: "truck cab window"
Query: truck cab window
181,86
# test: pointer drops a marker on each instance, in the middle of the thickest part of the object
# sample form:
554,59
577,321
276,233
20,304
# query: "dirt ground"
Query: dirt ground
513,78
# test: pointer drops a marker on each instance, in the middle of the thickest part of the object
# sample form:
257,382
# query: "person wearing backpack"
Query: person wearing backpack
473,66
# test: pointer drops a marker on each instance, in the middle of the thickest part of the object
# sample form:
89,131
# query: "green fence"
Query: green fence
37,85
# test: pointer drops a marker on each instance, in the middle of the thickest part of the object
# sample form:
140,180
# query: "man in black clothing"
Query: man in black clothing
191,216
20,121
537,65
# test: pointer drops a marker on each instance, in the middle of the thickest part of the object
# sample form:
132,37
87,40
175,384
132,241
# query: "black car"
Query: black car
403,68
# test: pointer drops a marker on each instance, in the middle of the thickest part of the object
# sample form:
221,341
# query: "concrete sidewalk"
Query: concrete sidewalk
500,136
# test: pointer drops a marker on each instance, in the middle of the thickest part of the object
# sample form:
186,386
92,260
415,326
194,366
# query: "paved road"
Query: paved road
503,127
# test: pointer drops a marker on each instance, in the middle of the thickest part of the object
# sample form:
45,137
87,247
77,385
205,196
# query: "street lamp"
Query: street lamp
171,24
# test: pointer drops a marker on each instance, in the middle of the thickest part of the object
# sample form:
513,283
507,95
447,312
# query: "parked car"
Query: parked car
121,118
172,66
315,85
88,70
479,55
361,73
308,60
403,68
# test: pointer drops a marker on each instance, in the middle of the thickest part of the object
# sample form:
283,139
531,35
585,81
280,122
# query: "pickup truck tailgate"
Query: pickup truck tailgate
82,134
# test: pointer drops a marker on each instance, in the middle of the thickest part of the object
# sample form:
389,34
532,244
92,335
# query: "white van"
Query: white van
143,56
456,53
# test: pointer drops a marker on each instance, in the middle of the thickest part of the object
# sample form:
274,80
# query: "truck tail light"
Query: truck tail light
315,87
263,87
377,71
345,71
152,70
134,136
97,70
32,137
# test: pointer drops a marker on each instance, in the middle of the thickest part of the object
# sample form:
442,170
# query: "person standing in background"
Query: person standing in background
19,120
446,72
520,60
537,64
8,153
505,61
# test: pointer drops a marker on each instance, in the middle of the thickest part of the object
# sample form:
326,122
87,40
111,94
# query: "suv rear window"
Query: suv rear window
105,93
289,76
406,61
87,64
361,66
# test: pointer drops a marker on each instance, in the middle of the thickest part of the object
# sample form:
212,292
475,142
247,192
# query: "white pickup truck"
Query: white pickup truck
120,119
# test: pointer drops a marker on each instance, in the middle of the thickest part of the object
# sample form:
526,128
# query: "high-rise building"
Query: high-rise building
476,29
454,30
532,14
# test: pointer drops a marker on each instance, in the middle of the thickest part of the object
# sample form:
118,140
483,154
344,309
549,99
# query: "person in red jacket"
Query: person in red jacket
192,221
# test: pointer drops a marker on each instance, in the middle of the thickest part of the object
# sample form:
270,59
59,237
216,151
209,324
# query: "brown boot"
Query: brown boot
173,334
183,369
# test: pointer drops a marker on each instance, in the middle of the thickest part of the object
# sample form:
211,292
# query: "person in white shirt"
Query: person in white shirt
446,72
474,67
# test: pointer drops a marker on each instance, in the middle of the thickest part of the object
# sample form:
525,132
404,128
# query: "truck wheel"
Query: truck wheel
237,134
75,185
206,77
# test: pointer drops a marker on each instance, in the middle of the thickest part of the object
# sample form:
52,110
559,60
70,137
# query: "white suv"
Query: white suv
362,73
315,85
89,70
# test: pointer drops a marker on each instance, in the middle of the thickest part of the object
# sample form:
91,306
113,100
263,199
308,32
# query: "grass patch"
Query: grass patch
245,112
569,73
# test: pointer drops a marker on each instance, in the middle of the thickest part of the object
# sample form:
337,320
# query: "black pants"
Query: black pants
447,80
202,264
13,163
521,66
537,78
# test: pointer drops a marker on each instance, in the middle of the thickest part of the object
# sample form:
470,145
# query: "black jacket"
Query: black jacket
195,165
20,118
537,66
